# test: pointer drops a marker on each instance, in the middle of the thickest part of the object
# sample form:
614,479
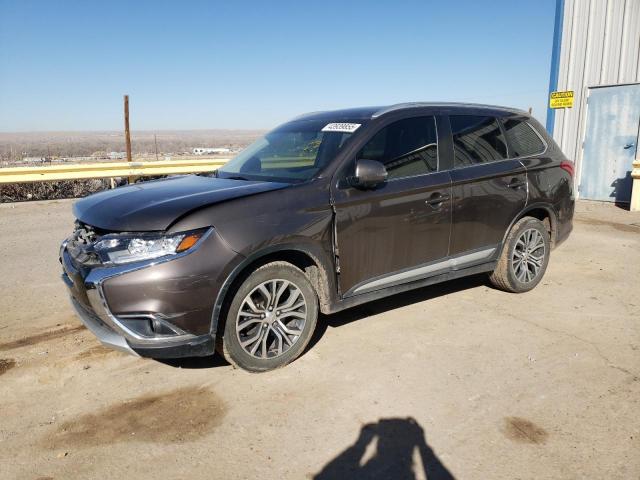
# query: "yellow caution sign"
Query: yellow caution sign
561,99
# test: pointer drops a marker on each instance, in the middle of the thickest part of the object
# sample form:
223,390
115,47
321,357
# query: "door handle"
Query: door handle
516,183
437,199
628,146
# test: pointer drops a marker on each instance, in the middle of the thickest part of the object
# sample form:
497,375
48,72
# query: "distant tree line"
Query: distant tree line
15,146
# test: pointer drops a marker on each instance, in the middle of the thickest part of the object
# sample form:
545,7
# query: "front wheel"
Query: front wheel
271,318
524,257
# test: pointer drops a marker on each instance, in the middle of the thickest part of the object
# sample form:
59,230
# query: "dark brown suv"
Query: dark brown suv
328,211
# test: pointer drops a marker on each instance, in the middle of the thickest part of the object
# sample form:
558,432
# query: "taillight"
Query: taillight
567,167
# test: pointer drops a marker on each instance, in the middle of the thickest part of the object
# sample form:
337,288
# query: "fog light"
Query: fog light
161,327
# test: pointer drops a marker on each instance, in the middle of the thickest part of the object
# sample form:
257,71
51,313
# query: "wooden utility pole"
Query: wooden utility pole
155,140
127,133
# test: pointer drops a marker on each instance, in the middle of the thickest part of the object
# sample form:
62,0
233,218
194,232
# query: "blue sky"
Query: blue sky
64,65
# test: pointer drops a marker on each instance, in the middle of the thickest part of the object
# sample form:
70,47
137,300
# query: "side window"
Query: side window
407,147
477,139
523,140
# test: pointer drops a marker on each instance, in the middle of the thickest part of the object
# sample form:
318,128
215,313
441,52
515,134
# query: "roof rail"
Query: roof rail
402,106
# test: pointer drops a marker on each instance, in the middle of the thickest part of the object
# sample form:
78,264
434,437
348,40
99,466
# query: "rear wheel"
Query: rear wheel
524,257
271,318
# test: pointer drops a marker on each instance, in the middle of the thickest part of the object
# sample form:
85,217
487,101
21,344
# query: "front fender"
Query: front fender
325,281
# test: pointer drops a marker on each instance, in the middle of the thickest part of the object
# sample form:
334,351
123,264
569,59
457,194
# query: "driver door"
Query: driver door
399,231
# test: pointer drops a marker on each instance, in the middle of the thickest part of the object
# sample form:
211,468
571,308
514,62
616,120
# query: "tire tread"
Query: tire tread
223,345
499,278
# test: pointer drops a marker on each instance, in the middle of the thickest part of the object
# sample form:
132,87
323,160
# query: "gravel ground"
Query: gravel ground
457,380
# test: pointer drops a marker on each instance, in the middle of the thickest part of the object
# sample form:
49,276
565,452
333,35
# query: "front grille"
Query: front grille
85,234
82,256
80,244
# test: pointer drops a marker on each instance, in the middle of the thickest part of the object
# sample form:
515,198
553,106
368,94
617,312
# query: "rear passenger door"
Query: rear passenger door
489,189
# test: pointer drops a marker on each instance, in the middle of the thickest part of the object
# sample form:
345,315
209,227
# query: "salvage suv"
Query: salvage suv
327,211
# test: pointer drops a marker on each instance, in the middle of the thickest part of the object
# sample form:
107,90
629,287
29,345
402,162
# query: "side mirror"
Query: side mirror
369,174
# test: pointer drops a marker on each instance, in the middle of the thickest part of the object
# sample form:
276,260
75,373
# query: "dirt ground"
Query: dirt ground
457,380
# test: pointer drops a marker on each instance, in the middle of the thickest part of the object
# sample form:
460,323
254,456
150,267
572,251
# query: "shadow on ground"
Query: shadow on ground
395,301
211,361
391,448
622,191
350,315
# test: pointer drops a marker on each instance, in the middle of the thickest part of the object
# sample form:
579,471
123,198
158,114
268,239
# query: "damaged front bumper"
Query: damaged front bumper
160,308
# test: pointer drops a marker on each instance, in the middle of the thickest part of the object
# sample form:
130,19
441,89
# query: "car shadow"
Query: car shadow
194,363
347,316
399,300
390,448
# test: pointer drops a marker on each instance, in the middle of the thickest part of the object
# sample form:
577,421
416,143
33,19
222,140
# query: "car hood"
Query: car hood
155,205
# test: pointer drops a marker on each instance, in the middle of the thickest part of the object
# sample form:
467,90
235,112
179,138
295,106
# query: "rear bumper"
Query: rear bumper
565,210
562,236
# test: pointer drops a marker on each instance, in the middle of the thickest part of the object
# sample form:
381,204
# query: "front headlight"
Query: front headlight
130,247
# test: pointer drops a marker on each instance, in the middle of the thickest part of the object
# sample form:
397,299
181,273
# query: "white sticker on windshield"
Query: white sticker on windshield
341,127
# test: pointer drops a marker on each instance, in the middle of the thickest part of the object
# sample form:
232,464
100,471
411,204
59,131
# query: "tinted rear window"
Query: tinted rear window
477,139
523,140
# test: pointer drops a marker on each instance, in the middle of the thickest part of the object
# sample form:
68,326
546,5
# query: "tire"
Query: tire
266,330
527,240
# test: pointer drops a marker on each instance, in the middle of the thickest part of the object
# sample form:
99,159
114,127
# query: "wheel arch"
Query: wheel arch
314,263
543,212
547,215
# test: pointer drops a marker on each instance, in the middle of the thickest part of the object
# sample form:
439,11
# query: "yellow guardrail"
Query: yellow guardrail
107,170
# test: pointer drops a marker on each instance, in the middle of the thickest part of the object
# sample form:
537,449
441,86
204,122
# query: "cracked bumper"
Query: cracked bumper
159,309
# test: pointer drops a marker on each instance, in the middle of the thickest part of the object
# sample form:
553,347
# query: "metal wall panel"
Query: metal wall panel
600,45
630,42
614,23
610,143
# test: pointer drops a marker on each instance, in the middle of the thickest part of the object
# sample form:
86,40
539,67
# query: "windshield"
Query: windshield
294,152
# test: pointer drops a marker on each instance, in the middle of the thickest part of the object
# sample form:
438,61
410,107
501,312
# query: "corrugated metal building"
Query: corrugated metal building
596,55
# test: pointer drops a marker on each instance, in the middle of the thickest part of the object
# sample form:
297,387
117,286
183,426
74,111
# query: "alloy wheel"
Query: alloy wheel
271,318
528,255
